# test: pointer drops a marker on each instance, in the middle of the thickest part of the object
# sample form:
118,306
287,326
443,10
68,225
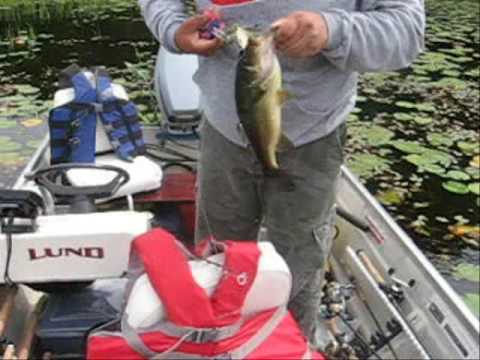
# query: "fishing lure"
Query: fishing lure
215,27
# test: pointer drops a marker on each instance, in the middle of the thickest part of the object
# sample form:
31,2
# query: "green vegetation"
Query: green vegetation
14,11
473,302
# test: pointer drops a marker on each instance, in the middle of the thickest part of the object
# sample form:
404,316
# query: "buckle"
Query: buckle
97,107
203,336
75,124
74,141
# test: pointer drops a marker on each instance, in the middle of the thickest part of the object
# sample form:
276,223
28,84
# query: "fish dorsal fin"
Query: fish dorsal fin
283,96
285,144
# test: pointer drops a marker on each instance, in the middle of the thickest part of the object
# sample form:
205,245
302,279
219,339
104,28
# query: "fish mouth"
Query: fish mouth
262,46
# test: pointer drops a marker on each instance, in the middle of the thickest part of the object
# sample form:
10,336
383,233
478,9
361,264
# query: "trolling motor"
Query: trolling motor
177,94
20,205
19,210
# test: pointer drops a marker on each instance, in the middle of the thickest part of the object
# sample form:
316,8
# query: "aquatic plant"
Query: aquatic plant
473,302
19,15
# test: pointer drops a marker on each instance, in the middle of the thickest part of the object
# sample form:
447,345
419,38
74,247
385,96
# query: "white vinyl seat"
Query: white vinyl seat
145,174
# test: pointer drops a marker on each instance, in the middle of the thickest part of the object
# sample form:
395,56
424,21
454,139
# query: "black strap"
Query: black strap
58,142
140,150
70,125
59,125
68,142
358,5
120,122
132,135
101,71
137,135
65,77
109,106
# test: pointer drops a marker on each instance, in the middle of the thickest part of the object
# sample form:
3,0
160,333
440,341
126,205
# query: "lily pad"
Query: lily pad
406,104
33,122
473,172
468,272
27,89
423,120
403,116
391,197
374,135
7,124
427,107
475,162
456,187
367,165
433,169
457,175
474,188
473,302
34,143
438,139
409,147
469,148
440,157
11,159
7,145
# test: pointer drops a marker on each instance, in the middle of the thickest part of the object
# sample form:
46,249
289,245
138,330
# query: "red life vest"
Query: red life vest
199,326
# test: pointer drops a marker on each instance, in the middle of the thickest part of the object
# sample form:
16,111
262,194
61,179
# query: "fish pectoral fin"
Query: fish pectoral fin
283,96
285,144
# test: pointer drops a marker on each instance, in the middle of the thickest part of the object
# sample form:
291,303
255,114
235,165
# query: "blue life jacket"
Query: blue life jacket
73,125
120,120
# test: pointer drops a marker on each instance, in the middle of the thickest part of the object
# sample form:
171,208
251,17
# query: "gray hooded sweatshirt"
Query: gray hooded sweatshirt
364,35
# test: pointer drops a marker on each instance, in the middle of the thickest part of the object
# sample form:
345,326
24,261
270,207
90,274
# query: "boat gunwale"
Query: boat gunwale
429,271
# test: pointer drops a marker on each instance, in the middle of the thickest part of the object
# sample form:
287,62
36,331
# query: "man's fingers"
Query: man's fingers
284,29
298,50
301,34
196,23
188,37
208,47
295,40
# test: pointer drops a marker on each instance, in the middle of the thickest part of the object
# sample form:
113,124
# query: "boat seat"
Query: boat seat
145,174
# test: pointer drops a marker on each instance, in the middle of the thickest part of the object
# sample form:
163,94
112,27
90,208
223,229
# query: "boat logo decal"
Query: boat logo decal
85,252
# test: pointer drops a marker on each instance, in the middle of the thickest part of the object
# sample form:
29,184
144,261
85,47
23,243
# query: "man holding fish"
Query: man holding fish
275,106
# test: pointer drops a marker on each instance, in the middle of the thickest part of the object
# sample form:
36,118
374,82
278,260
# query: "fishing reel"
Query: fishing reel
340,351
334,300
334,305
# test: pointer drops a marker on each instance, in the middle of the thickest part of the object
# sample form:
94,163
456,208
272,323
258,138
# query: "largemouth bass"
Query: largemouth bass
259,95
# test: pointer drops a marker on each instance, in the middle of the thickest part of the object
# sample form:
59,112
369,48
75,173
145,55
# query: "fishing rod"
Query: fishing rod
352,219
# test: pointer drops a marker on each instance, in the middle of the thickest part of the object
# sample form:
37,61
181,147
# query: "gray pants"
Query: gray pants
235,199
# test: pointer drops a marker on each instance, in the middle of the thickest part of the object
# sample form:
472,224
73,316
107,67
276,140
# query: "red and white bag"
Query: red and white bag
231,305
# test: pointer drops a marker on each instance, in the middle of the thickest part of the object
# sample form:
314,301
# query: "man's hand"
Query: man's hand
188,37
301,34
